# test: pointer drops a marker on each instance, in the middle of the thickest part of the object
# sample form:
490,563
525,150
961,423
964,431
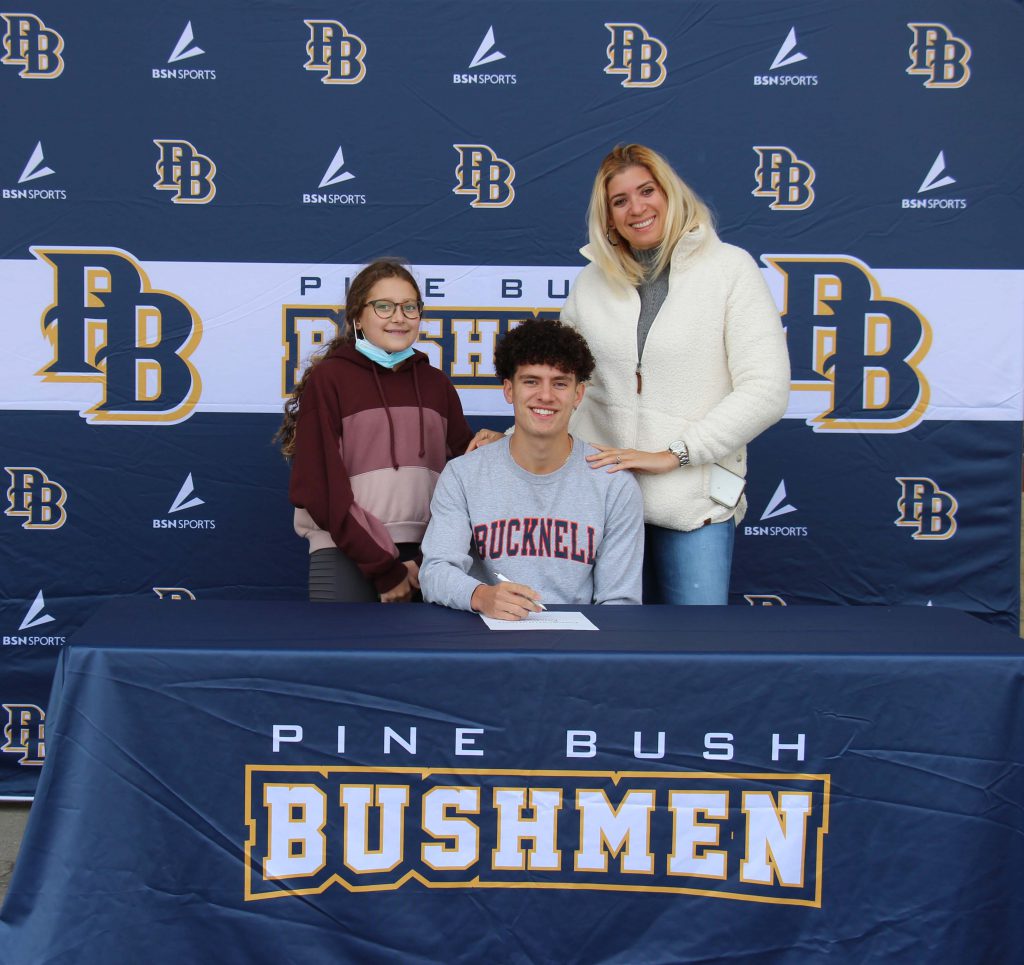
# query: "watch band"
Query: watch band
679,450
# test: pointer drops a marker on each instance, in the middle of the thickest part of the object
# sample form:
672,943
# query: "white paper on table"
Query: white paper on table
548,620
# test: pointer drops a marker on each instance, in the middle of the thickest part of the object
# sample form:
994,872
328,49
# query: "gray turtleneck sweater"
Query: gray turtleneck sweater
653,292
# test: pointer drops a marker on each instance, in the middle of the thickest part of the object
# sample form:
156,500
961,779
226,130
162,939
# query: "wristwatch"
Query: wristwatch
679,450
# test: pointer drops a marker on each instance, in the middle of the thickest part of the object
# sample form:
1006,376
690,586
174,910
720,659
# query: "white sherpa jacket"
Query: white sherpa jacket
715,372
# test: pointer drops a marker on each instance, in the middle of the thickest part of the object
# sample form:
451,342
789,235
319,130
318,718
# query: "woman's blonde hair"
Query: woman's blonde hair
685,213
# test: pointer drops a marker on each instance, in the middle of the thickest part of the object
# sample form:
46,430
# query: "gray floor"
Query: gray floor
13,815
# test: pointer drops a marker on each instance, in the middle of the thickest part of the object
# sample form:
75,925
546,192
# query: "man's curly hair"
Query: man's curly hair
544,341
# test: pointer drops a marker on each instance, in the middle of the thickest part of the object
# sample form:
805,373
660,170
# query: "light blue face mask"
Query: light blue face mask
376,354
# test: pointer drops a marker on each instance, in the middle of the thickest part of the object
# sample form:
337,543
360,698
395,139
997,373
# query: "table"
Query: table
285,782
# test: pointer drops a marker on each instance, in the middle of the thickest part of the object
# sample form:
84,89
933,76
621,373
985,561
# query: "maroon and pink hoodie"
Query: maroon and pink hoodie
370,443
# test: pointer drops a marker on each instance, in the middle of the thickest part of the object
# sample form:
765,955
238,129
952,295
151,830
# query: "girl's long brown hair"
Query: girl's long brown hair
358,295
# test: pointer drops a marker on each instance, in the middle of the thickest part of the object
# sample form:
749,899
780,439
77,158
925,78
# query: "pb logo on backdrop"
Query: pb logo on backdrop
939,55
635,55
484,177
174,593
862,349
926,508
185,171
110,326
32,46
24,733
784,178
335,52
35,497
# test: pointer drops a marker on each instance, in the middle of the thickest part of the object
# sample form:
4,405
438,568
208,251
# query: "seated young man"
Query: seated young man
525,520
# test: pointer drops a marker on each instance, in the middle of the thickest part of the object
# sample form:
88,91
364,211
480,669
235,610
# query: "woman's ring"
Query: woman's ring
618,459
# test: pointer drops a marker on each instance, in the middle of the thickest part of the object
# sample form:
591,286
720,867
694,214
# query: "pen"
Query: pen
504,579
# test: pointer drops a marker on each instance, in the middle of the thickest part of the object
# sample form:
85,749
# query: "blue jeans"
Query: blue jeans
688,568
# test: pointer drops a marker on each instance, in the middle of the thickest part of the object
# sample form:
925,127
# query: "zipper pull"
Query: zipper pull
639,379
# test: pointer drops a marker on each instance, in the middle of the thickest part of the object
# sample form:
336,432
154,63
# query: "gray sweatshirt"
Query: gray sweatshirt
575,535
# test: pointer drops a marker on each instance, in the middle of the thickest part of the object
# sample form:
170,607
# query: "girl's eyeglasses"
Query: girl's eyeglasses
385,308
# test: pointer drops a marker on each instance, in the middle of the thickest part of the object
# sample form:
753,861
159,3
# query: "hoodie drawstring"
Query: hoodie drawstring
387,410
419,405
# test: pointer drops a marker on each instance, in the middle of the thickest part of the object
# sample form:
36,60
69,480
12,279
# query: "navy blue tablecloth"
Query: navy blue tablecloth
296,783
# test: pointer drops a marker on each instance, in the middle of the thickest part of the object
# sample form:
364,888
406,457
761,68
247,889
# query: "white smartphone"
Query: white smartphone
725,487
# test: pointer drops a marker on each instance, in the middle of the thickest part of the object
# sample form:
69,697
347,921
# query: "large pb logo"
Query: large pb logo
108,325
635,55
36,498
784,178
32,46
926,508
24,733
334,51
185,171
846,339
484,176
939,55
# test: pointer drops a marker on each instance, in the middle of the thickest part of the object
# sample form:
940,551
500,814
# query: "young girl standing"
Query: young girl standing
369,427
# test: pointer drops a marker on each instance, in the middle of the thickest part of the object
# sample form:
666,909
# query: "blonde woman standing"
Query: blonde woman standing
691,365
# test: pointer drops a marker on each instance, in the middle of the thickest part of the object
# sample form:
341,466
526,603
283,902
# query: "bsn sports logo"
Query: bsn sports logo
926,508
34,169
335,174
484,176
32,46
783,177
938,55
185,49
777,506
335,52
185,500
24,733
108,325
787,56
486,53
936,178
863,350
182,169
36,498
636,56
35,616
